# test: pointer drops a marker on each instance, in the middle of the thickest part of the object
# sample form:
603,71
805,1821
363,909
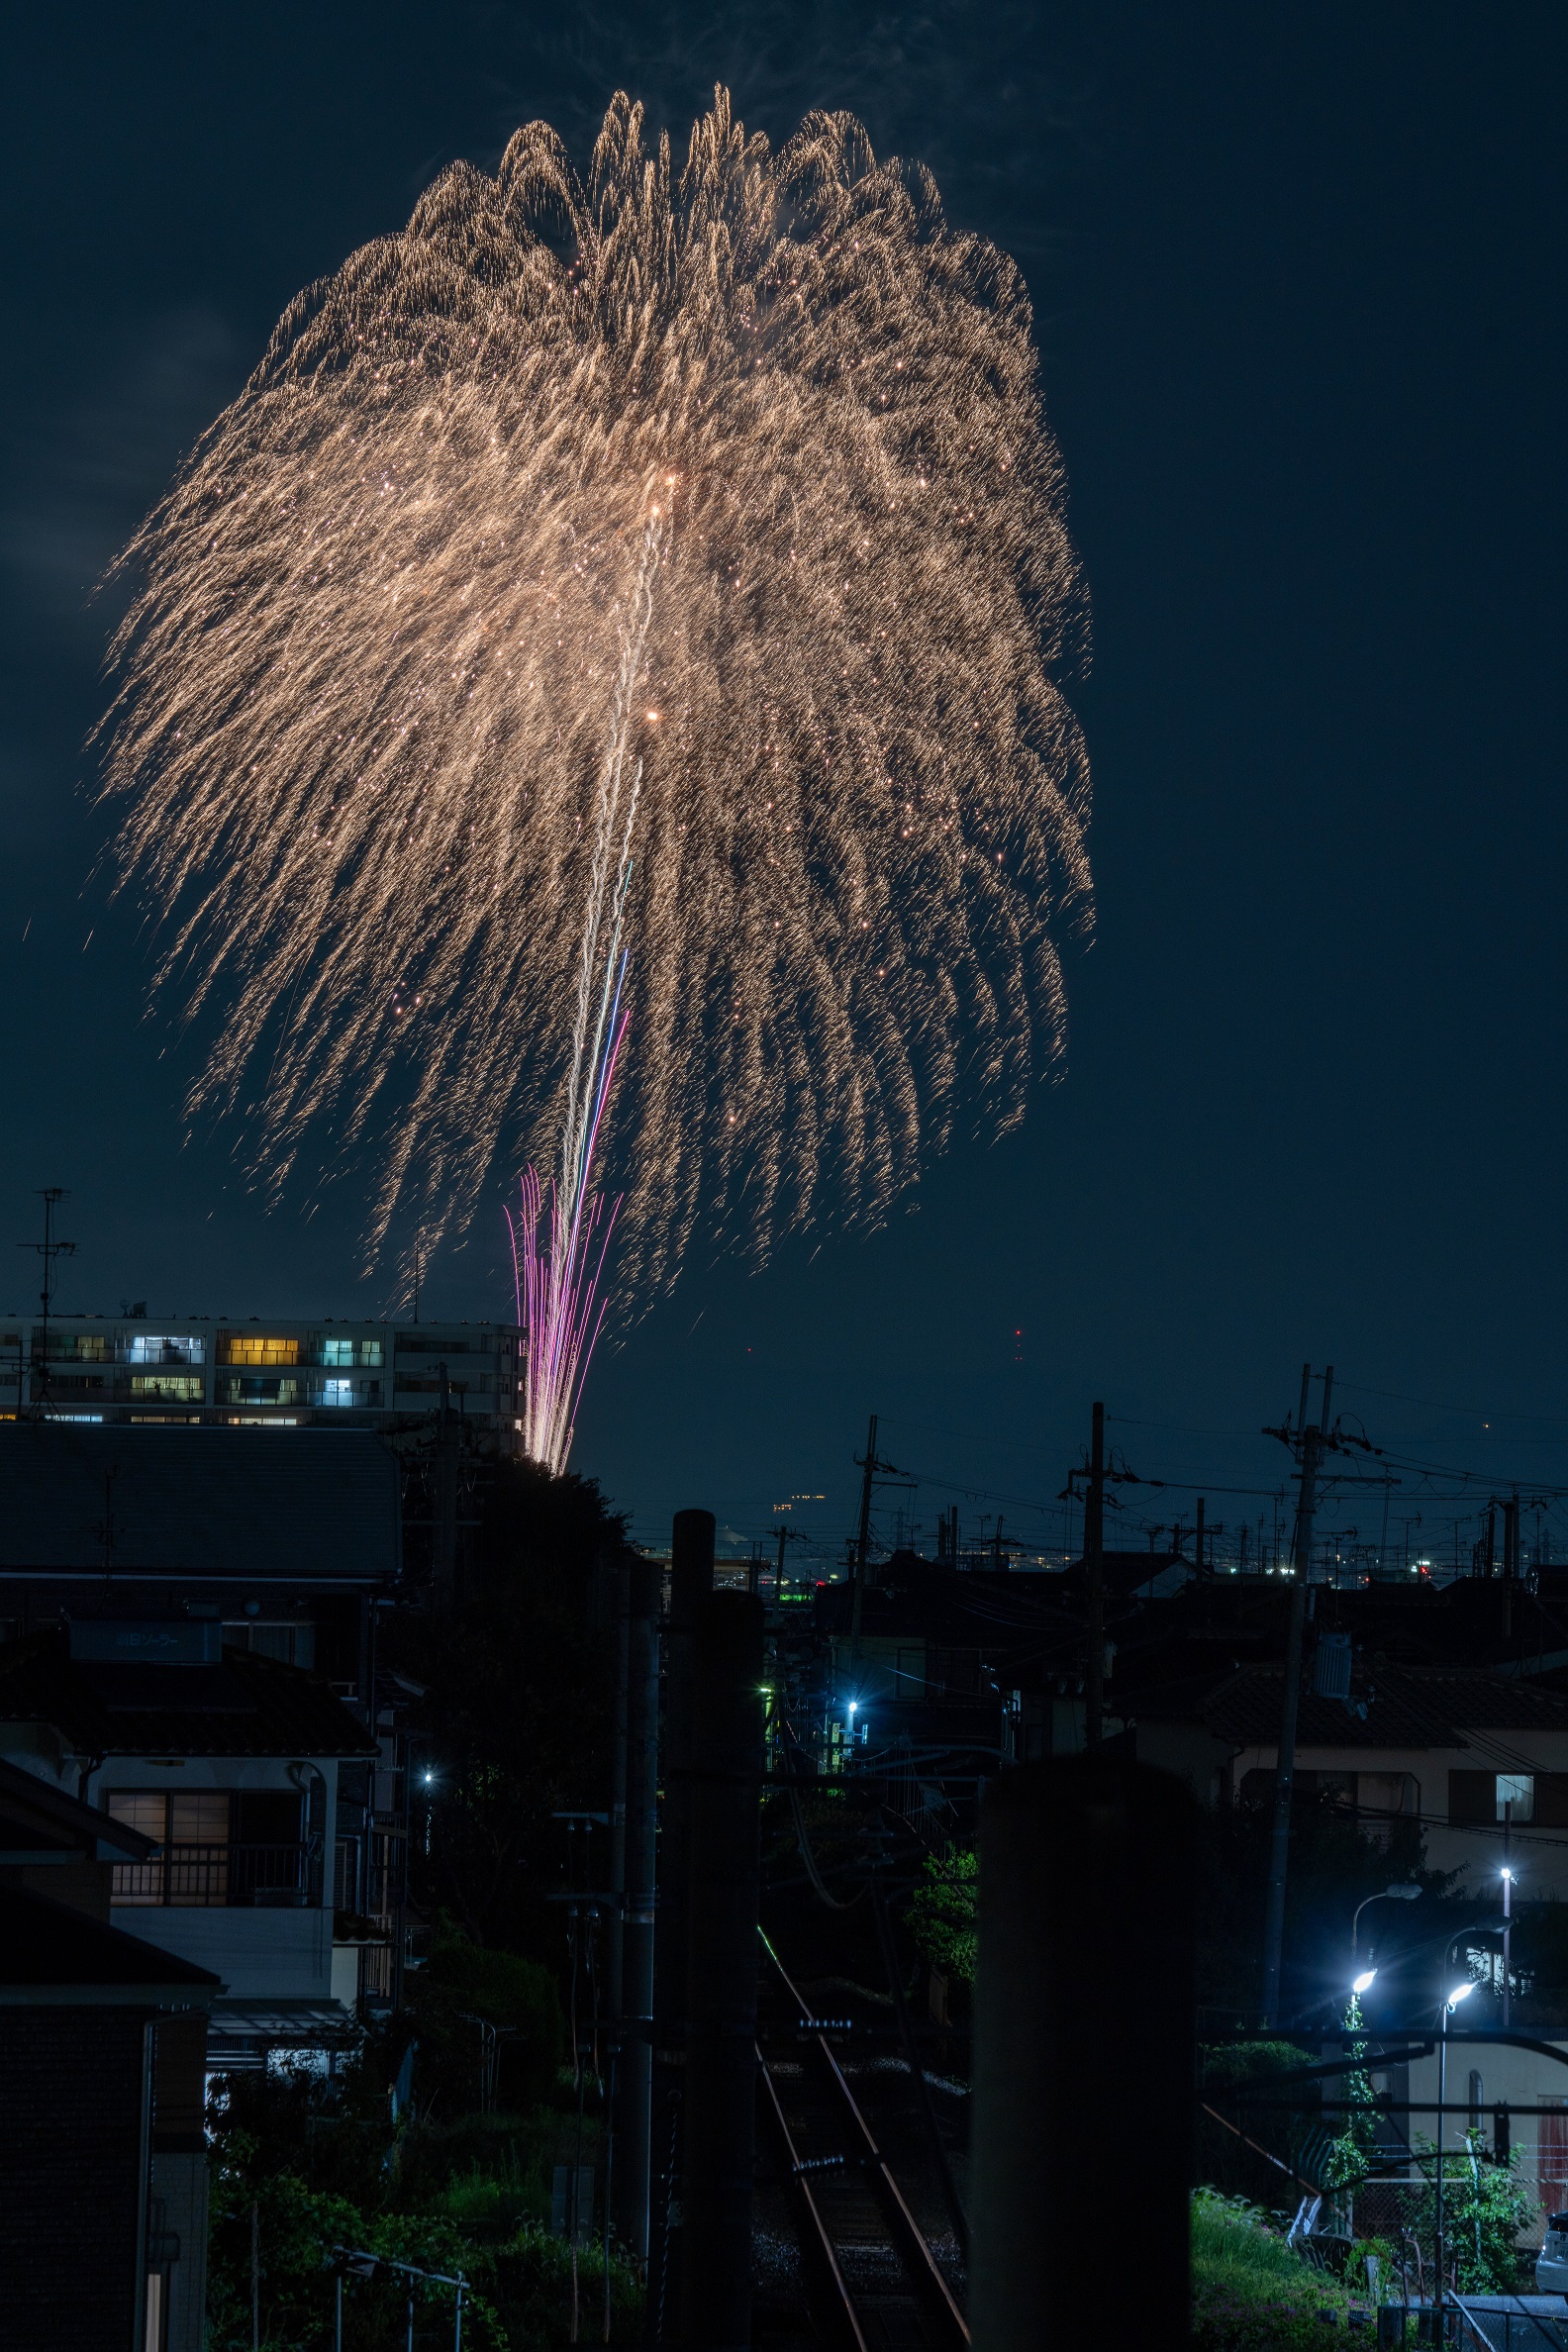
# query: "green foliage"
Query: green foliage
464,1987
1376,2249
941,1912
1350,2157
1223,2157
521,2278
1251,2292
1486,2204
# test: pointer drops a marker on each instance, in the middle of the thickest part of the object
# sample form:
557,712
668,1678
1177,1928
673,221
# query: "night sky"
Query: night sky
1298,277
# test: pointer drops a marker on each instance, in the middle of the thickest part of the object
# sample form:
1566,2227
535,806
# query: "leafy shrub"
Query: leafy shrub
941,1912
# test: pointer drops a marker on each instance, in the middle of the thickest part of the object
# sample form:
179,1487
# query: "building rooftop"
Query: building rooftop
296,1505
1406,1708
52,1952
246,1706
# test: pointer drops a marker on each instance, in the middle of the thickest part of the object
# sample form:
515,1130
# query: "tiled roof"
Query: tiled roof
249,1504
1406,1707
250,1705
48,1946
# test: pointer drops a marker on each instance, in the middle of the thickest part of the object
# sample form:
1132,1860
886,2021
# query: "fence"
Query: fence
192,1876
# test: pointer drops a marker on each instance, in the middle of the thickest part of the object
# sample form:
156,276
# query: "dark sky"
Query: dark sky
1298,275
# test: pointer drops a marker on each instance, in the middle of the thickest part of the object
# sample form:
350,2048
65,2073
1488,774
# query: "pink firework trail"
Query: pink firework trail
560,1288
558,1274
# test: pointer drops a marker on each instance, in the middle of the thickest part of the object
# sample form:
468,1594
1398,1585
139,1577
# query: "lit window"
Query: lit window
1519,1789
167,1388
157,1348
246,1348
338,1351
337,1392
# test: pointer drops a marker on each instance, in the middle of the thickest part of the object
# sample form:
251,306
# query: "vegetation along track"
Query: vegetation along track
872,2279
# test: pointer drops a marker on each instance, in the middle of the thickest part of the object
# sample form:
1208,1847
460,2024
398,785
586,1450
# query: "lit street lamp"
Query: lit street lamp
1459,1992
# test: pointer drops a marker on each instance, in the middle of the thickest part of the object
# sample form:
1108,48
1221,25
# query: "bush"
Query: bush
462,1985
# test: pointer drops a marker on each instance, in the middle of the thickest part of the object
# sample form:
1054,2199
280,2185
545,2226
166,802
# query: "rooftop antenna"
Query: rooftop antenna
48,1249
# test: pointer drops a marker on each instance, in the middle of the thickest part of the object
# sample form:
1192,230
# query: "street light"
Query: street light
1361,1982
1405,1892
1450,2003
1508,1936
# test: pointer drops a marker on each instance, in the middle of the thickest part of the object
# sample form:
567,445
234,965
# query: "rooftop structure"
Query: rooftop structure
280,1374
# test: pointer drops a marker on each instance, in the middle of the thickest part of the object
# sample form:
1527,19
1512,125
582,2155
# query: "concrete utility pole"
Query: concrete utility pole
691,1584
863,1539
1307,1444
1083,2019
447,1449
1094,1571
720,2128
635,2066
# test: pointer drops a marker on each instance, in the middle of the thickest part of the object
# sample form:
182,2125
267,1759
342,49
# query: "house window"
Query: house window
160,1347
1519,1789
1477,1796
246,1348
221,1848
337,1392
291,1643
167,1389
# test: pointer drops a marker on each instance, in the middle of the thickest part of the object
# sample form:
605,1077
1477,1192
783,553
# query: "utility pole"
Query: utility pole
1093,1570
1198,1539
447,1449
863,1539
1307,1443
48,1249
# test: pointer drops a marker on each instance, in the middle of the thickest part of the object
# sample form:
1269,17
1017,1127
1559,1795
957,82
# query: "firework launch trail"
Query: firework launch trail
415,674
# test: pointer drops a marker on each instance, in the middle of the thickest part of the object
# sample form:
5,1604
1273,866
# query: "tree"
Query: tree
515,1723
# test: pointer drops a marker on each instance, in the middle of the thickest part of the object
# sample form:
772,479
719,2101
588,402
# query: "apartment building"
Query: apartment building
256,1374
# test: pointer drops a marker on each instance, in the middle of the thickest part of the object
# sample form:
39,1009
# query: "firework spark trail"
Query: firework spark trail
360,741
556,1291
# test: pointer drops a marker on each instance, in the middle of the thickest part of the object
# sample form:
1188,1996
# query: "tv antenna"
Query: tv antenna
48,1249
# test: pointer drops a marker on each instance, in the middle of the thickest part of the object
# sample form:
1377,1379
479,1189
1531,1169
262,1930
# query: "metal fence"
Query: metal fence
192,1876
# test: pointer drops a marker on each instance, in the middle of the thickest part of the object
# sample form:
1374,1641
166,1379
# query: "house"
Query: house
103,2187
225,1763
1479,1759
288,1541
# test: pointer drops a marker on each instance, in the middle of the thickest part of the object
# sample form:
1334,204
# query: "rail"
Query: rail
865,2157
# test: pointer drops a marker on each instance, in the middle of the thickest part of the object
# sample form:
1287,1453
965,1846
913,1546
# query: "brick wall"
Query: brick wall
72,2095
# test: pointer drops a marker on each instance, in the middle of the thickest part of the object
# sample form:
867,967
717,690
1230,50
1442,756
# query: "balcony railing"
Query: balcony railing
258,1877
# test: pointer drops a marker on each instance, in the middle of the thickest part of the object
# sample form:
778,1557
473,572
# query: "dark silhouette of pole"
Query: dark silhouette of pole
1094,1572
864,1539
1083,2046
635,2067
721,1974
691,1584
1311,1442
48,1249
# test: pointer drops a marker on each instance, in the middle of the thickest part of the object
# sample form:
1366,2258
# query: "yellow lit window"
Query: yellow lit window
241,1347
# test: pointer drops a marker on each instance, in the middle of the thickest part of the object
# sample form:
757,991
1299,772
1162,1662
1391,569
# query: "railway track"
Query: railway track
872,2280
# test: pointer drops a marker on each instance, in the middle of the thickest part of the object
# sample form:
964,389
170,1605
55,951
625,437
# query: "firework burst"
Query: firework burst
414,675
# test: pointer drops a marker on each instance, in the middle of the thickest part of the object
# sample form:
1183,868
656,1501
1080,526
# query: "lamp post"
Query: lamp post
1406,1892
1507,1924
1459,1992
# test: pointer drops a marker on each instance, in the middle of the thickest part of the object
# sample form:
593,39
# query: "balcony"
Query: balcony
221,1877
